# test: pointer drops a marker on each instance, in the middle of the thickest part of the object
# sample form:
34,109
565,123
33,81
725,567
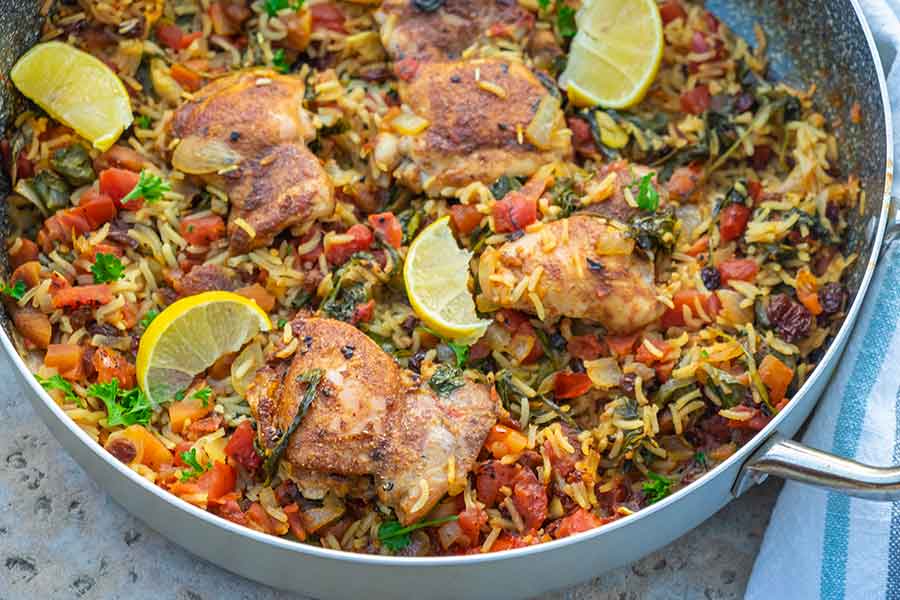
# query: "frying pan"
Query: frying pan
826,43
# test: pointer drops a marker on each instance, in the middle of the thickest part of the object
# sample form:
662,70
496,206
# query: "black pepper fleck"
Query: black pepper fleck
347,351
235,136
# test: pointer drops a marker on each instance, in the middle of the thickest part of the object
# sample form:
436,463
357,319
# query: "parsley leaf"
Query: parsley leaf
395,536
107,268
461,351
148,317
565,21
14,291
58,383
150,187
647,197
203,395
123,407
273,6
446,379
543,4
279,61
700,459
196,469
143,121
656,488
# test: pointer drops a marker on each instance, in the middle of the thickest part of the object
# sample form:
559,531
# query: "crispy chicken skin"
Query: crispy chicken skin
615,288
473,134
370,417
247,133
412,34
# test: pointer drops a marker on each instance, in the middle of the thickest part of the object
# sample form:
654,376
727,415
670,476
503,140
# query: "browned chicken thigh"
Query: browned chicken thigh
586,268
247,133
370,417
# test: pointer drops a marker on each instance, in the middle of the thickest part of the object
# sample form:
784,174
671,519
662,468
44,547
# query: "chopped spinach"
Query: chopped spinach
272,455
74,164
446,379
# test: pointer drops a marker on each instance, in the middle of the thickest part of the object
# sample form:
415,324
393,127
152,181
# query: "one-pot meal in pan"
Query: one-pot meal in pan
419,277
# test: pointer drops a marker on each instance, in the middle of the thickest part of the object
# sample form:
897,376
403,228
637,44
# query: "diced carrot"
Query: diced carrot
808,291
644,355
188,409
28,273
502,441
570,385
621,344
67,359
578,521
33,325
465,218
94,210
110,365
298,27
674,317
258,294
389,227
743,269
777,376
203,230
82,295
150,451
699,247
186,78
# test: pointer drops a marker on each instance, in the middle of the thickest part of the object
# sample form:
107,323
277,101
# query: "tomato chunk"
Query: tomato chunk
174,37
696,101
465,218
586,347
578,521
110,365
240,447
118,183
670,11
570,385
733,221
518,209
361,239
389,227
82,295
743,269
530,499
67,359
674,317
203,230
218,481
328,16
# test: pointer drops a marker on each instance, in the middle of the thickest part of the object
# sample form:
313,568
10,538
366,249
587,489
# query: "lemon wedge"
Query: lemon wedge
616,53
76,89
436,274
190,335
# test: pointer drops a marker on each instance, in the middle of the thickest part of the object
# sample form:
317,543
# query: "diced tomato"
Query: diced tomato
465,218
521,328
530,499
502,441
295,522
202,230
808,291
670,11
684,181
518,209
122,157
174,37
755,423
507,541
643,355
578,521
328,16
743,269
696,101
110,365
93,211
582,138
570,385
96,208
259,519
118,183
217,481
755,189
82,295
471,521
186,77
699,247
733,221
621,344
240,447
389,227
586,347
490,477
362,238
102,248
26,251
664,371
258,294
776,376
67,359
363,312
674,317
478,350
761,157
24,167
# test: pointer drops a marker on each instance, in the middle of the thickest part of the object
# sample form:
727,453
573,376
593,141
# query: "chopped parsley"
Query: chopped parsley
446,380
395,536
273,6
14,291
280,62
700,459
565,21
656,488
203,395
56,382
196,469
647,196
148,317
150,187
281,323
123,407
461,351
107,268
564,196
143,121
544,5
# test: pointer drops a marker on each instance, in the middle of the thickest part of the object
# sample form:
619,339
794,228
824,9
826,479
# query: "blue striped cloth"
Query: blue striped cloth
823,544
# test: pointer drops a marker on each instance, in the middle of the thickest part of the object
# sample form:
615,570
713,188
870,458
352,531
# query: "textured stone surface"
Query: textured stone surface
61,536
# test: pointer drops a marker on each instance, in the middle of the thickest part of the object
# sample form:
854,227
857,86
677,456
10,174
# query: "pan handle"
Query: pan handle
793,461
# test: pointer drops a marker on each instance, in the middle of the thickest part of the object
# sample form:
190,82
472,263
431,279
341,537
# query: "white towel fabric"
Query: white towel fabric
822,544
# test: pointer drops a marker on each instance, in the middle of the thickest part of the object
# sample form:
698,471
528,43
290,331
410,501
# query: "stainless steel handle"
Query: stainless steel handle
795,462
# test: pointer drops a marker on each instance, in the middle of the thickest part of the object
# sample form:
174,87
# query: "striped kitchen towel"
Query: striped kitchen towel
823,544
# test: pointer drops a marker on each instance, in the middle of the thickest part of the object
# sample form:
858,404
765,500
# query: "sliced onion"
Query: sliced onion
732,311
604,372
540,131
200,156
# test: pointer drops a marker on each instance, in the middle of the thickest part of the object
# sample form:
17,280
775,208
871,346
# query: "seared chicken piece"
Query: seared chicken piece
625,176
414,36
585,268
477,112
369,417
247,133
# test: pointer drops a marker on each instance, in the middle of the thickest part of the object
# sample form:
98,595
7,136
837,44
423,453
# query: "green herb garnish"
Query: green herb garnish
544,5
14,291
280,62
150,187
272,455
107,268
143,121
123,407
203,395
565,21
190,459
656,487
148,317
461,351
395,537
446,379
56,382
700,459
273,6
647,196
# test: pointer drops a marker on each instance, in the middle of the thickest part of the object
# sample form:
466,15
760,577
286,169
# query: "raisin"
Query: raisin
711,277
123,449
791,320
833,212
415,361
831,297
627,383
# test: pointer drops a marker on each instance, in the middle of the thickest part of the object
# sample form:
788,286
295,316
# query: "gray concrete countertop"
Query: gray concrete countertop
61,536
